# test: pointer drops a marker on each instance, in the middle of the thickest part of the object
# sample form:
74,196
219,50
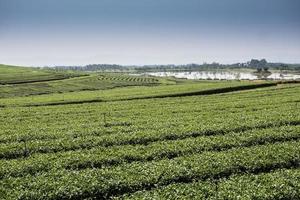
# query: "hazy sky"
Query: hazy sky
78,32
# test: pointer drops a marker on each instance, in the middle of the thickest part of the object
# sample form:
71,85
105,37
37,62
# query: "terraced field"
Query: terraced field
22,81
175,140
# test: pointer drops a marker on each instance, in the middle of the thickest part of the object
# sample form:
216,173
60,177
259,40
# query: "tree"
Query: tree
254,63
263,63
259,64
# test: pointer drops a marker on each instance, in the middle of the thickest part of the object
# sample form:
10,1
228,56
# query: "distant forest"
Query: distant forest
259,65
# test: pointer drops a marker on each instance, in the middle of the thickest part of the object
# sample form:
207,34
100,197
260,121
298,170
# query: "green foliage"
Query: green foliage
108,182
280,184
234,145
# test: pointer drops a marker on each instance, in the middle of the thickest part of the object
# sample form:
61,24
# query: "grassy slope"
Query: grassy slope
25,81
16,75
88,82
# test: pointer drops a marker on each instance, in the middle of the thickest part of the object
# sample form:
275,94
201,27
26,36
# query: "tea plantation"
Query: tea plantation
117,136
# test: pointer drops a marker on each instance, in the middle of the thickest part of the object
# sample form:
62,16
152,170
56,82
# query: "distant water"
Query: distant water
226,75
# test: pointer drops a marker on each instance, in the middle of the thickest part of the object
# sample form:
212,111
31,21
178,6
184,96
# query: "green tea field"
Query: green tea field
67,135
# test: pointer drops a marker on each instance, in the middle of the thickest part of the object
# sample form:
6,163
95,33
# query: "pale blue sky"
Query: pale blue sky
76,32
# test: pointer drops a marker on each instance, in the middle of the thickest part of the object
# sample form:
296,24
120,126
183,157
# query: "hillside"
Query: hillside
17,75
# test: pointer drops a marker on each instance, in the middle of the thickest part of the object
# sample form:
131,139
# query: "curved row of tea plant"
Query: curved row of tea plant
116,77
281,184
102,157
109,182
236,124
118,93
